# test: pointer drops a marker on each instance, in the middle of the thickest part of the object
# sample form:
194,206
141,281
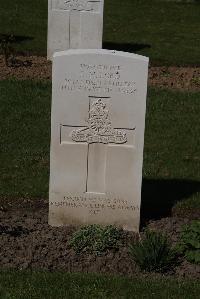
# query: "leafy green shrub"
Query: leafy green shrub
189,244
96,239
153,253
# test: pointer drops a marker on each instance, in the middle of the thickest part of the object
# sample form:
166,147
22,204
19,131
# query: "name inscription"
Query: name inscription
95,205
99,79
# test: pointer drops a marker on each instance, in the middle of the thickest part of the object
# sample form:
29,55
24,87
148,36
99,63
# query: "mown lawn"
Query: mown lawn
25,138
27,285
171,156
169,33
166,31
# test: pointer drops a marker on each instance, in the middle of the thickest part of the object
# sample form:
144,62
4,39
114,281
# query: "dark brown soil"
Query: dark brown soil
26,67
28,242
182,78
33,67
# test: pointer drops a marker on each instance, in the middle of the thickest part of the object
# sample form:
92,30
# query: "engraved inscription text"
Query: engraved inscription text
95,204
99,79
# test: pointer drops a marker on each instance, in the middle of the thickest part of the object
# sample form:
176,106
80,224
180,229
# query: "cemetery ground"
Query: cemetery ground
32,253
170,196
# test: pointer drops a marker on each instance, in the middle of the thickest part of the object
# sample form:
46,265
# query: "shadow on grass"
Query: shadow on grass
14,39
159,196
127,47
8,43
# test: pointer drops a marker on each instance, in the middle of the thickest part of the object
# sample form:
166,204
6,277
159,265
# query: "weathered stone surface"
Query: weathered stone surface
98,120
74,24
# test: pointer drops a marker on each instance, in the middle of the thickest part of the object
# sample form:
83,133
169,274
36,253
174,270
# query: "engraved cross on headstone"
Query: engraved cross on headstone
75,8
98,135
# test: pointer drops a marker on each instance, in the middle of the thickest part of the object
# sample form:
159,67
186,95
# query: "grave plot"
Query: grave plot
98,118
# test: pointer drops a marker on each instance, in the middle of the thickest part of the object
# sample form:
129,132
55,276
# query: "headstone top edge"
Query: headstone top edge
72,52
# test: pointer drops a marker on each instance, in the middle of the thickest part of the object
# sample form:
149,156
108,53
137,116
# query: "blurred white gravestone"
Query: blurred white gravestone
74,24
97,136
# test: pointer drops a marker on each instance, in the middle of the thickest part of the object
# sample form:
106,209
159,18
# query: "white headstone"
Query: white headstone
74,24
98,121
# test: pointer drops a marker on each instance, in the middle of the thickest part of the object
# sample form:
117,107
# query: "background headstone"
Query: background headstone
98,121
74,24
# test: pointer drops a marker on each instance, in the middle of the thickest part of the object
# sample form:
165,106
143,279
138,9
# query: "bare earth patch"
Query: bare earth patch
37,67
28,242
184,78
26,67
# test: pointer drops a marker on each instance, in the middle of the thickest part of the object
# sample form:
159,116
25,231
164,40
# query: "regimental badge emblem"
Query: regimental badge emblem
99,128
79,5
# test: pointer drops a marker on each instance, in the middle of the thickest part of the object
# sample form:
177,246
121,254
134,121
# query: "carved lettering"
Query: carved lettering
95,205
98,79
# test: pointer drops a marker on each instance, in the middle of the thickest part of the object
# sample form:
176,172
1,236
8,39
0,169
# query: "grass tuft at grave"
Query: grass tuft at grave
153,253
166,31
171,155
25,285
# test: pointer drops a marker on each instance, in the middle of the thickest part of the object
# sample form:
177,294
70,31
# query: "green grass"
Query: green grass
170,29
28,19
27,285
25,137
172,130
166,31
171,140
190,205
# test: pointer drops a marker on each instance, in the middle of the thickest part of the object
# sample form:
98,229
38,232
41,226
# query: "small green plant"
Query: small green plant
153,253
196,80
96,239
189,244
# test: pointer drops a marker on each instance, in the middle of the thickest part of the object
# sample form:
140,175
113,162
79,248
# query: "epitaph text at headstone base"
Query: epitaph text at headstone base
74,24
98,120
